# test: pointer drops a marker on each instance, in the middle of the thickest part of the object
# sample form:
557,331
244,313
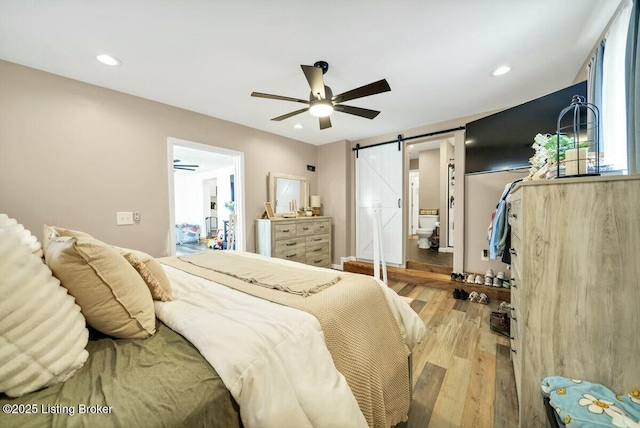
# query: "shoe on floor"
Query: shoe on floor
479,280
454,276
471,278
483,299
456,294
473,297
504,306
488,280
463,295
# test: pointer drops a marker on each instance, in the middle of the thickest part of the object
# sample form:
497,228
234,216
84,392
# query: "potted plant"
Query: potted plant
549,151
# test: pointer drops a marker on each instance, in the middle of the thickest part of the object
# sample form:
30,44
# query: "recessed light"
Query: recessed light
108,60
503,69
469,141
298,126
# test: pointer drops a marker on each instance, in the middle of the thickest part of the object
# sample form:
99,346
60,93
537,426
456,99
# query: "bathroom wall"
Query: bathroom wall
429,179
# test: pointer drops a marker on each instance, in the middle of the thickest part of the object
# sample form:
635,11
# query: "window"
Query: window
613,109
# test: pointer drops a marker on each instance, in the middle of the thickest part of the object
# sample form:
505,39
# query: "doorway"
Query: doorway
428,179
206,197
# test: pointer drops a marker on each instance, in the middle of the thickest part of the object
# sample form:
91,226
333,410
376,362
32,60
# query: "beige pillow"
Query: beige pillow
151,272
50,232
113,297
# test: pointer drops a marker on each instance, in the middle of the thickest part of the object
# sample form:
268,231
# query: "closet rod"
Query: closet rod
401,138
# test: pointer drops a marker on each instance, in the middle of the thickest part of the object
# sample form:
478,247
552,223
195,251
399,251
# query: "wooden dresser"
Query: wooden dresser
302,239
575,293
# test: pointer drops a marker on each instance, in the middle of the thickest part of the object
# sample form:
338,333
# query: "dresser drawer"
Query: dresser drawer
318,239
285,231
323,260
306,228
515,217
322,226
289,246
317,250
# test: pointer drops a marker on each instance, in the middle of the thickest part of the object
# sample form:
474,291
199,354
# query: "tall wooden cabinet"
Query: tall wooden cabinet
575,293
302,239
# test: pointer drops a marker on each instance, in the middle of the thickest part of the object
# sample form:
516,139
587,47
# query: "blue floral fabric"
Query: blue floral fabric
579,403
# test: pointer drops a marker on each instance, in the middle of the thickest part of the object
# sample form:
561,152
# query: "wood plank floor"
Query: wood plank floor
462,373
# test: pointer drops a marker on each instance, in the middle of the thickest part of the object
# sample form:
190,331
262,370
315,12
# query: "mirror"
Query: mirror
284,188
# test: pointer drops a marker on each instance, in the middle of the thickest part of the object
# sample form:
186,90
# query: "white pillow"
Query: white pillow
42,332
25,236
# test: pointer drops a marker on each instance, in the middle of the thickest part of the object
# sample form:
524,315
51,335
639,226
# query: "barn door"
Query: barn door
379,182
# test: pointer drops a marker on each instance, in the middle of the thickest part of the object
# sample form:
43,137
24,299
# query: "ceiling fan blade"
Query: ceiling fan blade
278,97
363,91
288,115
315,79
188,166
176,160
184,169
325,122
358,111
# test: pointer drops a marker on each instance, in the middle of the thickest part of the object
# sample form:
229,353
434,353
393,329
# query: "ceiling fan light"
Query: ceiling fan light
321,109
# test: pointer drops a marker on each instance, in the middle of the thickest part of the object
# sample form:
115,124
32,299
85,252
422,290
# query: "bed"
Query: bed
233,355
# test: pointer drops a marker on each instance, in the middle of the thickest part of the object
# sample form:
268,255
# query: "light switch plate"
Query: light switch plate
124,218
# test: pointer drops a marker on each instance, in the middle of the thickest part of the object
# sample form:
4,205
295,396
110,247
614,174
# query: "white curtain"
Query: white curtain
614,122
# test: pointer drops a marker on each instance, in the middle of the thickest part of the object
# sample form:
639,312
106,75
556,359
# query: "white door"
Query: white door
379,181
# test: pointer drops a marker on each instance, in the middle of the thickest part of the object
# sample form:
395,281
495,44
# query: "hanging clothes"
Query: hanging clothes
500,228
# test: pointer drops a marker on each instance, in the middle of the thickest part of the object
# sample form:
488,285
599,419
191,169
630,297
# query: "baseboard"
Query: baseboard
445,250
345,259
337,267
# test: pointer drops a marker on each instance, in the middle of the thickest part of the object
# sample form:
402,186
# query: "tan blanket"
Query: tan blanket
261,272
361,334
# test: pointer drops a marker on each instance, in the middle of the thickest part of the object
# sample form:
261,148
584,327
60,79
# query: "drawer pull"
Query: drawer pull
317,239
513,284
513,350
285,230
514,215
318,249
512,251
305,228
322,227
290,244
317,261
292,255
514,319
512,338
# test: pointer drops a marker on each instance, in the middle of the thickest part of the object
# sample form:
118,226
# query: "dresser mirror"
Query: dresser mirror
284,188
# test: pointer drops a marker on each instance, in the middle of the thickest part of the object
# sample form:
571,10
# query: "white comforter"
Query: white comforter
272,358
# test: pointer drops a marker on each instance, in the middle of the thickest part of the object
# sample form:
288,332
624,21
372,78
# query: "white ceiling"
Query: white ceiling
206,161
208,56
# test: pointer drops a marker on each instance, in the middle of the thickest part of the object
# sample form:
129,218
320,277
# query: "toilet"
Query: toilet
427,224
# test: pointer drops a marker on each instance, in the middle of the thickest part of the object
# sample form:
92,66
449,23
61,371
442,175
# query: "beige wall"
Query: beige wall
482,195
73,154
429,179
333,176
414,164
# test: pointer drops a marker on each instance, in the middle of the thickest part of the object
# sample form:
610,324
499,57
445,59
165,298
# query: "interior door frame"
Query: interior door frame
239,188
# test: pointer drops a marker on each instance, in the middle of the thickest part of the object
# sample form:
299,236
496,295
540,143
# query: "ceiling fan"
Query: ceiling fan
322,103
184,167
